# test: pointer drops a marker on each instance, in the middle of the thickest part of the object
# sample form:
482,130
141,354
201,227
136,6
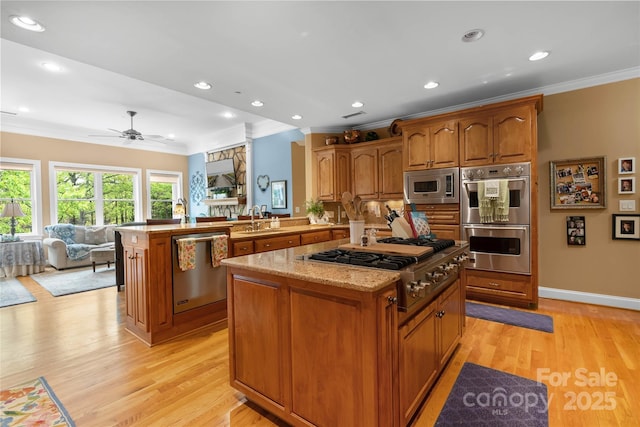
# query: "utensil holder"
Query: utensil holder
356,230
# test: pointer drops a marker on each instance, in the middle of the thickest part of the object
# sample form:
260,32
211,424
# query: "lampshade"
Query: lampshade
12,209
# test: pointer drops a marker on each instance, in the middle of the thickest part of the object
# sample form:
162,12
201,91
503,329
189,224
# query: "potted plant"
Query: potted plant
315,211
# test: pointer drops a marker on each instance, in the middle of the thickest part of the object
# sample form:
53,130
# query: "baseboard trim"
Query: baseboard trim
590,298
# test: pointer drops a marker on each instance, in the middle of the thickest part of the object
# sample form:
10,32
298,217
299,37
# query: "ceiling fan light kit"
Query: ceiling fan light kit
133,135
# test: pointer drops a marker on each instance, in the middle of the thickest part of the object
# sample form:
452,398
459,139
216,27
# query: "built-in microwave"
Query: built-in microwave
432,186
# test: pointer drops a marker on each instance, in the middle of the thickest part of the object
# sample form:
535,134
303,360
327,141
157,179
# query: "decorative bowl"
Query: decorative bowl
330,140
351,136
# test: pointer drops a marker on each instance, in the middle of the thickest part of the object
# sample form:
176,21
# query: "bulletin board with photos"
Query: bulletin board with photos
578,183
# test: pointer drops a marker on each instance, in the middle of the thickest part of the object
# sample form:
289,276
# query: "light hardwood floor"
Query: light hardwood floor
106,377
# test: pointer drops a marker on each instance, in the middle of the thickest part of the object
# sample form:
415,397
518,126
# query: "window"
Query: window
94,195
163,189
20,181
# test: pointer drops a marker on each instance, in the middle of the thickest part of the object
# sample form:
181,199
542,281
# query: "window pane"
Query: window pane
161,200
16,184
117,193
76,203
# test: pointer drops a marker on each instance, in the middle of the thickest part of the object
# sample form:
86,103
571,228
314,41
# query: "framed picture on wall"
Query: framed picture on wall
578,183
279,194
576,234
626,165
626,185
625,227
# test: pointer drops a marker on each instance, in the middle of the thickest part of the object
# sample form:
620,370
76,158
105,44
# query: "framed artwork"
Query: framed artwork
279,194
626,165
578,183
626,185
625,227
576,234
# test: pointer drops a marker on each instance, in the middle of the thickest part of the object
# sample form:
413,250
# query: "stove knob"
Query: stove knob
519,170
469,174
507,171
480,173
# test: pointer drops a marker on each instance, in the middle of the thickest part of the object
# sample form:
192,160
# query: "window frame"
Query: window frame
35,167
177,187
55,166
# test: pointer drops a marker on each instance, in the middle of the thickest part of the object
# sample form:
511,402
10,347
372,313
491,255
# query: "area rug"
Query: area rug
13,293
539,322
67,282
483,396
32,404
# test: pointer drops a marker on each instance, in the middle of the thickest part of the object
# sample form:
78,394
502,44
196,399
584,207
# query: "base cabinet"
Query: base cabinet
502,288
426,342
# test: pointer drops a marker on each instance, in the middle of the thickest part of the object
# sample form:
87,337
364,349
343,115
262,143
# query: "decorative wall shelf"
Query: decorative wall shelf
229,201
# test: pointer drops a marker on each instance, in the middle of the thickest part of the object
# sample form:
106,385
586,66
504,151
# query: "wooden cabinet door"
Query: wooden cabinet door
390,169
339,234
476,140
443,144
242,248
364,173
258,344
416,148
512,133
418,360
136,287
342,177
325,161
450,321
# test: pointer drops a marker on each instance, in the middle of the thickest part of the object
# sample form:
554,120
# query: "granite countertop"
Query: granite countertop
293,229
289,263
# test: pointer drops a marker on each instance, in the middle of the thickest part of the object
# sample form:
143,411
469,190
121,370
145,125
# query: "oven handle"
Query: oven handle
500,227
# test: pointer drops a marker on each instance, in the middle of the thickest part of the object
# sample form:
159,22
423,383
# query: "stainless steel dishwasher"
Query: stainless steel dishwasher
202,285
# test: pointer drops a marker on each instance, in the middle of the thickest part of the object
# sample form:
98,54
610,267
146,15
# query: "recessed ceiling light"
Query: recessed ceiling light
203,85
50,66
228,115
472,35
24,109
431,85
538,56
357,104
26,23
296,117
171,135
257,103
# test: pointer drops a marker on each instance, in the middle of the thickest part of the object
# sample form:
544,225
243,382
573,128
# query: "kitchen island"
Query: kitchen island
325,344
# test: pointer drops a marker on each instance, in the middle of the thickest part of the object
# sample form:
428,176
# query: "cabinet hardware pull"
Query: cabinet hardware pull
392,300
494,284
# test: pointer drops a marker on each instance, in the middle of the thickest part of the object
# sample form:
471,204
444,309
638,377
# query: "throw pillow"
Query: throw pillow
95,235
64,232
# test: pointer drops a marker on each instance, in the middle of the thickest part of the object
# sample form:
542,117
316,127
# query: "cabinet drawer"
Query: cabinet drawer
339,234
273,243
445,231
508,283
315,237
242,248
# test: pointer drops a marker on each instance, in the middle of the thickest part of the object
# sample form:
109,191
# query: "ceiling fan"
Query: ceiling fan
131,134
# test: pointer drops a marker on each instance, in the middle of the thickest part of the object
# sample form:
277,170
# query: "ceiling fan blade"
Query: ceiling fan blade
106,136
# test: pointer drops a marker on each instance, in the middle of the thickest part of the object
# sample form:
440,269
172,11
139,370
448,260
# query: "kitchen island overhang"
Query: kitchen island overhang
325,344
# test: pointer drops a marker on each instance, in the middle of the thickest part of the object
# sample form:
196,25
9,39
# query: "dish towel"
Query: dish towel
493,201
501,204
485,206
219,249
187,254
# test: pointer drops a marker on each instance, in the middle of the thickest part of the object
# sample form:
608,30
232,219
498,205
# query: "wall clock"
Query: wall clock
263,182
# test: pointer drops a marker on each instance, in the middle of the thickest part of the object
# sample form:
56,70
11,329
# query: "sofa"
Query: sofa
70,245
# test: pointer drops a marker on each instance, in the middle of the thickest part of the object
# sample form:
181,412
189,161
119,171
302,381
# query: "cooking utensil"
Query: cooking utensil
357,205
347,203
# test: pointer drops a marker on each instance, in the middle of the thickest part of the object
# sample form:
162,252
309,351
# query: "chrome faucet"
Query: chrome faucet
251,213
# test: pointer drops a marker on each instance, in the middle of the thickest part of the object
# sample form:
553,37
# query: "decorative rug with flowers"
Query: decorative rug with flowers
32,404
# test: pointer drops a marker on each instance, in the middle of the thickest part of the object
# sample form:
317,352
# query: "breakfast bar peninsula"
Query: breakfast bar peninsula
318,342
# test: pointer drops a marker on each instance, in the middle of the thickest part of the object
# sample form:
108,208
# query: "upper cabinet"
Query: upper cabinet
502,137
431,145
376,170
334,172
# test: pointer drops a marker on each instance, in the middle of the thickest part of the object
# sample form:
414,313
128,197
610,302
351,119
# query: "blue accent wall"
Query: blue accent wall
196,184
272,157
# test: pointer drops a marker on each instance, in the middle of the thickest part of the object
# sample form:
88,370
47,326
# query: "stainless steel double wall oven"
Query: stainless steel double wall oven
498,246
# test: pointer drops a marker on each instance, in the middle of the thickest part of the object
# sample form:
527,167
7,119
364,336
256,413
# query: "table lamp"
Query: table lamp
12,209
181,209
